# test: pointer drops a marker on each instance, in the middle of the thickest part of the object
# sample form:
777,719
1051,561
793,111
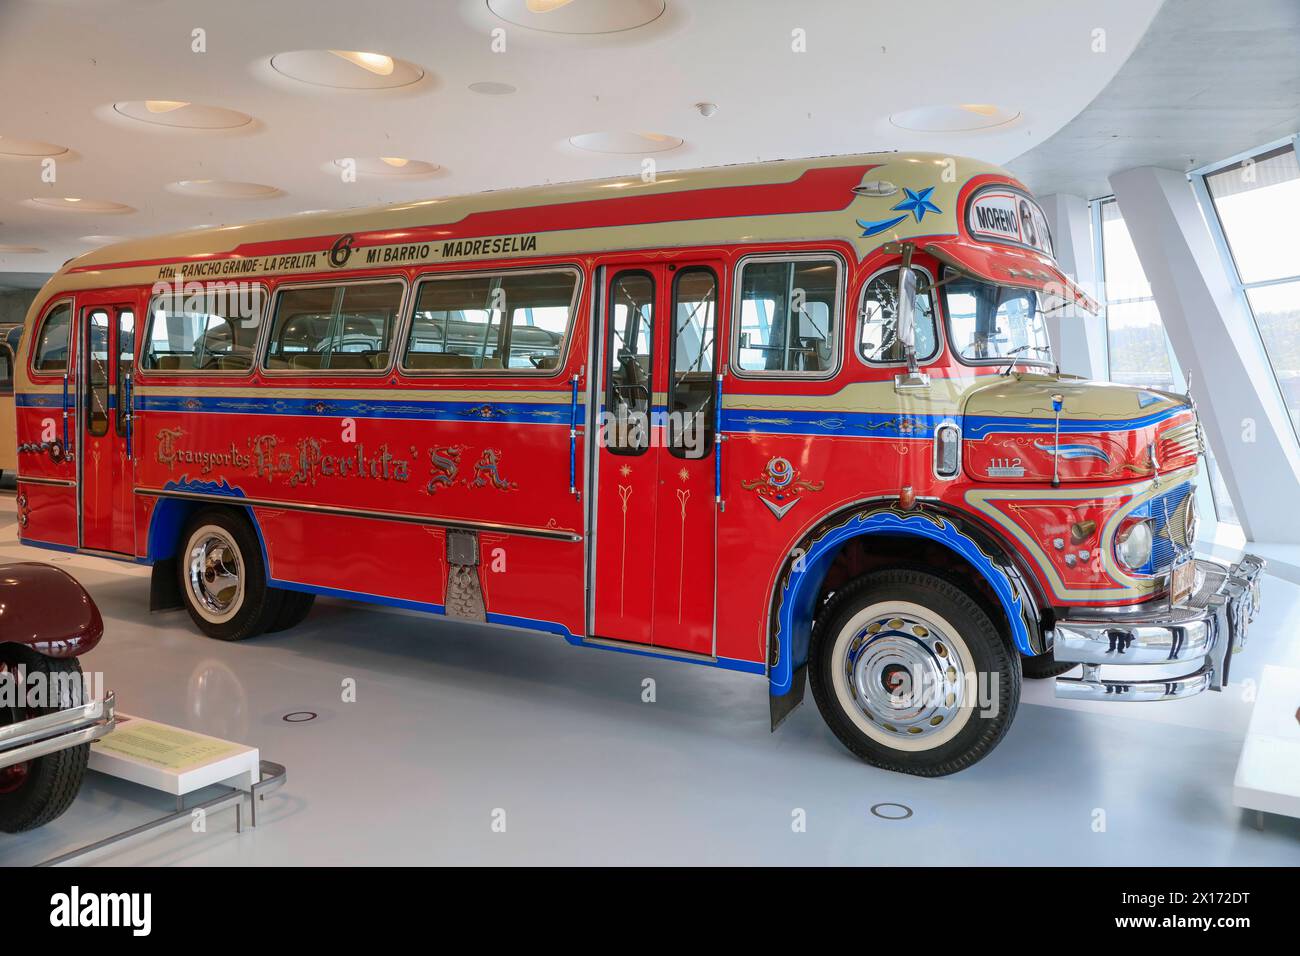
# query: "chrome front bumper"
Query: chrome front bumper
38,736
1205,631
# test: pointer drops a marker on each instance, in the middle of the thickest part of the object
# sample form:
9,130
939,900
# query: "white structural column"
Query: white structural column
1078,339
1215,340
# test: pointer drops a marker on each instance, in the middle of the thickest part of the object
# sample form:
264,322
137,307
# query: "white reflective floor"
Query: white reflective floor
453,723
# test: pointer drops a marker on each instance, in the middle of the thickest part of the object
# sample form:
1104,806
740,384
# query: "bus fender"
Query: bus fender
166,523
800,583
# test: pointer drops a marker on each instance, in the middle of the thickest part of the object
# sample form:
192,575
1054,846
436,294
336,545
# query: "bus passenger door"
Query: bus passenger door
655,513
106,486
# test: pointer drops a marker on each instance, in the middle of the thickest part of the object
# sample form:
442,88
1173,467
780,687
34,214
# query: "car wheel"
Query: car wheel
37,791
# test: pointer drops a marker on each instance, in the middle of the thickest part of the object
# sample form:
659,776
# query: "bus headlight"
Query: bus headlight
1133,543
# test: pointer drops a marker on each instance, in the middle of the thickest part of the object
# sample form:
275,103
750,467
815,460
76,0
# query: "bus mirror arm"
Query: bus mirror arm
906,324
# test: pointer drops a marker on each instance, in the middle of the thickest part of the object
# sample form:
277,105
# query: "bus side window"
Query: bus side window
788,314
629,351
97,373
691,389
513,321
337,327
51,351
208,331
6,370
125,359
878,318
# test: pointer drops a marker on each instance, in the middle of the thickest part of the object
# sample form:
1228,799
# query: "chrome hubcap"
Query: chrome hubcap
905,675
215,574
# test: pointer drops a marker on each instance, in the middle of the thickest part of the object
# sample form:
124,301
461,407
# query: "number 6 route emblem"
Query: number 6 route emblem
341,251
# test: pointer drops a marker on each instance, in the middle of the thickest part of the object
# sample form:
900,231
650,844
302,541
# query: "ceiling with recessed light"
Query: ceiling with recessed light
122,118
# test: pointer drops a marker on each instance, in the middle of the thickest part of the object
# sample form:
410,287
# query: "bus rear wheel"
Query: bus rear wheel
911,675
223,577
294,608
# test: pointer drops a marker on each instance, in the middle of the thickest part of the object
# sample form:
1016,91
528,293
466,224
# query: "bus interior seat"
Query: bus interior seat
438,360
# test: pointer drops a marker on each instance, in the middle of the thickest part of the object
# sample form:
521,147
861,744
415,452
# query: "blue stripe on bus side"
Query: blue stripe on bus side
770,421
869,424
901,425
516,413
976,426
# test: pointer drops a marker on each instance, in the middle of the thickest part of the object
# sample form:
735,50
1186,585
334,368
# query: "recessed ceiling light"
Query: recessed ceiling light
223,189
579,17
492,88
377,63
177,114
8,250
390,166
624,142
29,148
80,204
961,118
346,69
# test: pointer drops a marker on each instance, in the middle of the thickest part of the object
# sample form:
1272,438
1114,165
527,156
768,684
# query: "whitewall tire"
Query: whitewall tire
911,674
223,576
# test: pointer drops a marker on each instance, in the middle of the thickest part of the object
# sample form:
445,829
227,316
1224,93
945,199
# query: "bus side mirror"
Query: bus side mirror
906,330
907,311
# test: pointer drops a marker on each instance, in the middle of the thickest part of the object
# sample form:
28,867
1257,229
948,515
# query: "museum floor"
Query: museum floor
453,722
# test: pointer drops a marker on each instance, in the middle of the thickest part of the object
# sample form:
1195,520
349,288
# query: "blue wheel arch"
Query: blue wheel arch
794,603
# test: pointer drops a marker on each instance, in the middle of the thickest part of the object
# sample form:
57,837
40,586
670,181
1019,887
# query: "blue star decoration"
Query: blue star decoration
916,203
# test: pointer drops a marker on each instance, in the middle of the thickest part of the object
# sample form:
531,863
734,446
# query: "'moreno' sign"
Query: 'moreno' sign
1003,214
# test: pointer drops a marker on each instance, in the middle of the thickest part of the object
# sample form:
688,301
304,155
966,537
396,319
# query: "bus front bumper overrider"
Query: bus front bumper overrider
1204,631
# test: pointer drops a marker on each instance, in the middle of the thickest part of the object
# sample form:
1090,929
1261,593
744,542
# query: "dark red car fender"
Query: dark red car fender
47,609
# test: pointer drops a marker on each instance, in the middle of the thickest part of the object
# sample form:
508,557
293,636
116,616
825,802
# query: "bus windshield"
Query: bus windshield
993,323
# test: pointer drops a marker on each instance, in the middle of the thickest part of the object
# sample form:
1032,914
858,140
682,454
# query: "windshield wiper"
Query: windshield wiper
1017,351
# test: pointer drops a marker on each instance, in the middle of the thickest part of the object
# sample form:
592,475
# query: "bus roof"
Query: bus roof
866,200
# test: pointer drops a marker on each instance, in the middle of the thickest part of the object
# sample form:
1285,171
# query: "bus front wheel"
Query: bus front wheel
223,577
912,675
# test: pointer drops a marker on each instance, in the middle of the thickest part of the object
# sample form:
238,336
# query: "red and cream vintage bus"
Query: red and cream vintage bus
795,419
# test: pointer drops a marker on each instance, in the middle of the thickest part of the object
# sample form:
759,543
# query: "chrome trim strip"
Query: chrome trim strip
56,482
402,517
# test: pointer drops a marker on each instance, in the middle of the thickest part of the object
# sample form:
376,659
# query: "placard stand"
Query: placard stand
177,762
1268,774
